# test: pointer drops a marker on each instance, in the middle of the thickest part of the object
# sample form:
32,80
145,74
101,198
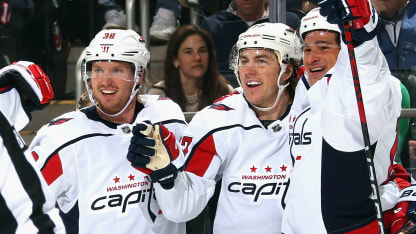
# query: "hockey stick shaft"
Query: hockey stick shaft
364,128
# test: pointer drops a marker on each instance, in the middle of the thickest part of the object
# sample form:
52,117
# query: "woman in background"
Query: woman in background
191,75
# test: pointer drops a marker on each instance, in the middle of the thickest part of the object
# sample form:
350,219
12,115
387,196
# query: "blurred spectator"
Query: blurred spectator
115,19
113,12
166,20
191,76
301,6
7,45
14,17
308,5
42,37
398,32
225,26
412,143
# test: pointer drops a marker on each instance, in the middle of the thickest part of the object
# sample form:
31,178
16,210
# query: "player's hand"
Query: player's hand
152,149
31,82
361,12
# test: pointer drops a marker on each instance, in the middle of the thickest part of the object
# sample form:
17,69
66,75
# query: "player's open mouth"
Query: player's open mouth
252,84
107,92
318,69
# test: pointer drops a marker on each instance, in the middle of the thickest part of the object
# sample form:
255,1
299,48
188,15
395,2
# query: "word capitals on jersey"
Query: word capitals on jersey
121,196
299,136
262,182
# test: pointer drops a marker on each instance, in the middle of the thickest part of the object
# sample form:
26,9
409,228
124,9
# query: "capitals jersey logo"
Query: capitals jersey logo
122,193
299,134
218,106
262,182
59,121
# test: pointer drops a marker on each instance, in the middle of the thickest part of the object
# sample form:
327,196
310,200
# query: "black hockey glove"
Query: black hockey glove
152,149
361,12
31,82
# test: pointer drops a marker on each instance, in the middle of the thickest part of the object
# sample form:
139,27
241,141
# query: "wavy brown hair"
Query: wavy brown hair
213,84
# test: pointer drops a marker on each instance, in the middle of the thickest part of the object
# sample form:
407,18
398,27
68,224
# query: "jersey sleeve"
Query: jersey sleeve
380,93
381,98
27,205
196,183
57,166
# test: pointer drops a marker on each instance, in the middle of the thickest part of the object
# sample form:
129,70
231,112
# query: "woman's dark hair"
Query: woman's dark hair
213,84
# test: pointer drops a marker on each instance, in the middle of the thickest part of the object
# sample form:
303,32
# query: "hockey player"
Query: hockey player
330,187
82,153
240,138
26,203
322,43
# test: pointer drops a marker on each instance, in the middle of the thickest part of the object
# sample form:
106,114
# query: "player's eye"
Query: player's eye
262,62
98,70
118,71
322,49
306,50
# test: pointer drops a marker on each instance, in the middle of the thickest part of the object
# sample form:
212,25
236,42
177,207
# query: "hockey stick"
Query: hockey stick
364,128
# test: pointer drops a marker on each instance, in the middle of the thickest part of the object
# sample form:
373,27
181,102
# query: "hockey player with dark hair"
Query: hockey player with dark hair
239,139
82,153
330,189
26,203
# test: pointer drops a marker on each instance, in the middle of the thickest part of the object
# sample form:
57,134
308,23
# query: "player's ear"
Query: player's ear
142,77
287,74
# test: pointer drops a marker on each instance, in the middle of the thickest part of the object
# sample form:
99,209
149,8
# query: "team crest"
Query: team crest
218,106
59,121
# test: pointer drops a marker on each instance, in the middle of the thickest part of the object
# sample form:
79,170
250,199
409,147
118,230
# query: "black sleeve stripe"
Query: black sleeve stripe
27,176
70,143
8,223
212,132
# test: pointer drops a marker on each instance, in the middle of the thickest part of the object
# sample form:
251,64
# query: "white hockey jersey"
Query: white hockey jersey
83,159
329,188
226,140
26,203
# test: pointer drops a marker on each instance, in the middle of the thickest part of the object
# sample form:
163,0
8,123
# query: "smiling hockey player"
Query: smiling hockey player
330,187
82,154
239,139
